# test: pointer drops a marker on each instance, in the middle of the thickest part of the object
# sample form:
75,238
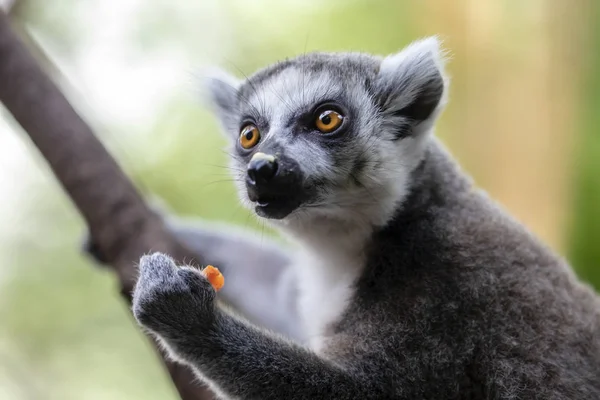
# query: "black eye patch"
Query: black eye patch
306,120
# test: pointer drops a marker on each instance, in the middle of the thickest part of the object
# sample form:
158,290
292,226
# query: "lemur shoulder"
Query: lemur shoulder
403,282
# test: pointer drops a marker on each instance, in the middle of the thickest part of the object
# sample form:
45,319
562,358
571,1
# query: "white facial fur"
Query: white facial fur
356,180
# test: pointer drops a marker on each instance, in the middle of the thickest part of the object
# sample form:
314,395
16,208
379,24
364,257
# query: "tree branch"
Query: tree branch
121,224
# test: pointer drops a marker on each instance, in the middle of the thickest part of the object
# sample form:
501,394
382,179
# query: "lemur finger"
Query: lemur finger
157,266
196,282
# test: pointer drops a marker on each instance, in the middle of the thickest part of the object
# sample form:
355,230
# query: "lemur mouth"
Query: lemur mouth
276,206
274,184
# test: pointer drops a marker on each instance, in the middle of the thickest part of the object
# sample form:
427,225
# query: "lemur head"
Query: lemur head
331,136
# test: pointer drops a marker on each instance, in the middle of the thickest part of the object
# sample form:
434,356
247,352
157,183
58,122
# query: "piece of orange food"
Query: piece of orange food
214,276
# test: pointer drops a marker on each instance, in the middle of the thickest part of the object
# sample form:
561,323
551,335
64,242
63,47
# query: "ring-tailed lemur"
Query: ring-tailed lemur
406,282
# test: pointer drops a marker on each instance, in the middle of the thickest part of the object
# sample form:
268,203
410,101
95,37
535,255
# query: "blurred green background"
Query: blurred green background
522,120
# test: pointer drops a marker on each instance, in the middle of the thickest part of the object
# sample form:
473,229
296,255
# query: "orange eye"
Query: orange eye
329,121
249,136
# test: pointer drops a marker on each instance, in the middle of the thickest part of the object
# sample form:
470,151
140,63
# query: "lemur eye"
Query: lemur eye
249,136
329,120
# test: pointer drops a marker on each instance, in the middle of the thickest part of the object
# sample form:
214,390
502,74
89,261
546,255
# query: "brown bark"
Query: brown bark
121,224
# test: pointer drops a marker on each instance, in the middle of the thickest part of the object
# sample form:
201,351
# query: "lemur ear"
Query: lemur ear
411,87
219,90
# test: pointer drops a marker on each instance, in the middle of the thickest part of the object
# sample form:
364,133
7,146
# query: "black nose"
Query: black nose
261,170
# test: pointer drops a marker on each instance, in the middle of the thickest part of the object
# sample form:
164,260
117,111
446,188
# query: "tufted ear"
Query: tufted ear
411,87
220,92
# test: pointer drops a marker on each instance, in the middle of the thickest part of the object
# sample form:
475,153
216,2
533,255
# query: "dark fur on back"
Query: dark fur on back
459,295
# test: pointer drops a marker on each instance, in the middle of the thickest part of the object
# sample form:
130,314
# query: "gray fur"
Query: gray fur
411,284
260,282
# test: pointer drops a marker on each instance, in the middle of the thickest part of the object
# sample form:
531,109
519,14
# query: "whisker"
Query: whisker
227,167
303,71
251,85
234,156
235,211
221,181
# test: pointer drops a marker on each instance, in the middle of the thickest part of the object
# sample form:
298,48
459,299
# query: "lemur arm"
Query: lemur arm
245,362
259,280
239,360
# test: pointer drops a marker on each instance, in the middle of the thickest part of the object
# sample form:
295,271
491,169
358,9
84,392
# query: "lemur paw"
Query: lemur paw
169,299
